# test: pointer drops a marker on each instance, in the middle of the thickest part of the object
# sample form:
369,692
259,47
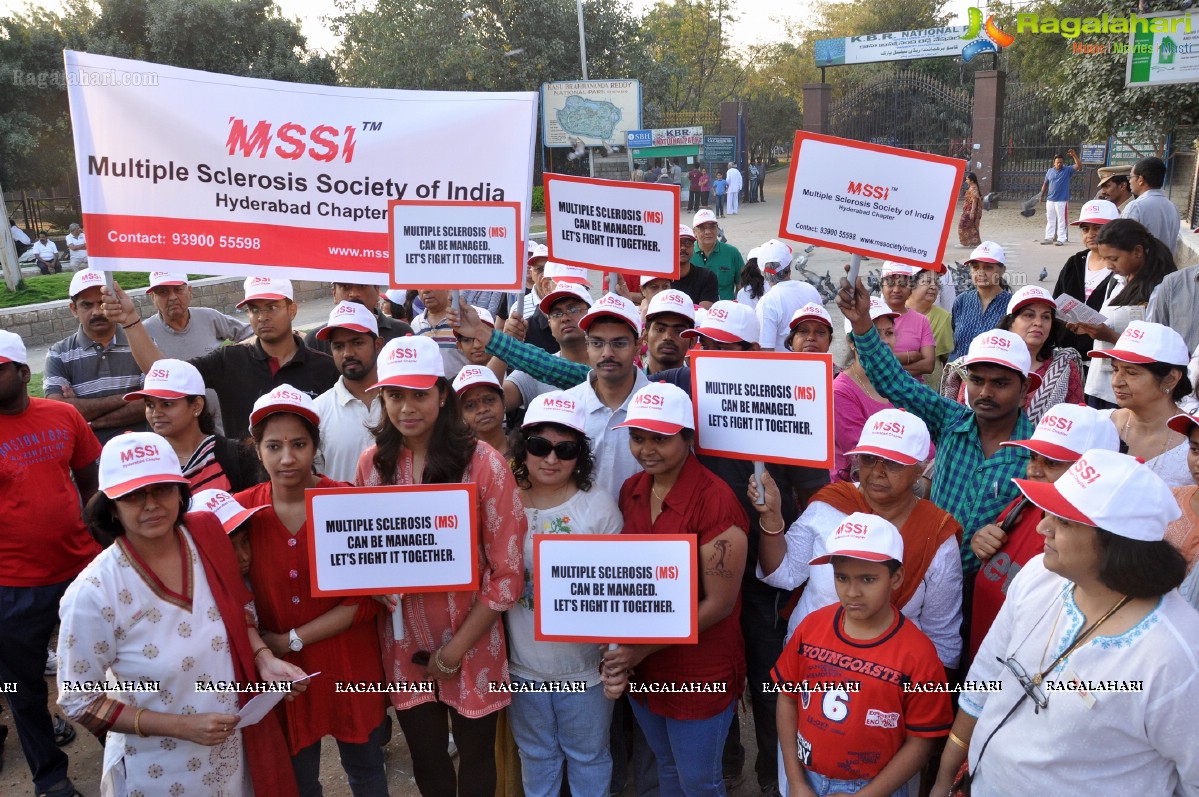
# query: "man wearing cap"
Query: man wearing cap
1113,184
972,480
670,314
48,468
1152,207
240,374
735,185
368,297
984,307
564,307
94,368
1055,193
782,298
347,409
721,258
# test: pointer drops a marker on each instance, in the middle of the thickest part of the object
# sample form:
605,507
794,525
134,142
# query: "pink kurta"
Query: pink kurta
431,618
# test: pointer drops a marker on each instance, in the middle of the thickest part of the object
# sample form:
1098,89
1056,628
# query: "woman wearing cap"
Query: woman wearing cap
1032,314
854,398
751,285
915,347
675,494
1094,650
333,636
972,213
891,452
1148,377
453,638
1085,275
472,349
482,400
979,310
552,464
1061,437
164,603
177,409
1183,533
811,330
926,287
1140,262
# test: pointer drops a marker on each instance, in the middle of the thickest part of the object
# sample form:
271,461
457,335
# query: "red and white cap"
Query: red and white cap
413,362
611,305
170,379
1000,347
1097,211
659,407
473,376
1110,491
988,252
560,272
1067,430
349,315
895,435
166,279
484,315
225,507
702,216
893,269
285,398
1183,424
12,348
266,289
1147,342
84,279
729,322
132,460
555,407
1027,295
863,536
811,312
565,290
671,301
536,250
396,295
878,309
686,232
774,257
753,254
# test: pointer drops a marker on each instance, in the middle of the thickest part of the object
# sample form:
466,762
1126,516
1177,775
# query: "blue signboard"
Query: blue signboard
641,138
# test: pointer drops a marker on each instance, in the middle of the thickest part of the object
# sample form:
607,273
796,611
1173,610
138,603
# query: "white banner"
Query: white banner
215,174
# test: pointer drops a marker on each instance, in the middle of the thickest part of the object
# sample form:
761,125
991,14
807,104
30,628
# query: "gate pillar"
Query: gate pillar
989,87
817,99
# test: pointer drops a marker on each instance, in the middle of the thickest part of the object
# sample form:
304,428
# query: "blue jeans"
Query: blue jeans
27,619
824,786
363,765
719,205
688,751
645,769
556,729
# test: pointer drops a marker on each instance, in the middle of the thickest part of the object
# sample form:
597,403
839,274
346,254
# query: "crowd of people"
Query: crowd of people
992,589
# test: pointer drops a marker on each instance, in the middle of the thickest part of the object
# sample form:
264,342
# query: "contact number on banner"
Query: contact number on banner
219,241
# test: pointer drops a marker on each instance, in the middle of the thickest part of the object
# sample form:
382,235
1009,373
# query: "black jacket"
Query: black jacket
1072,281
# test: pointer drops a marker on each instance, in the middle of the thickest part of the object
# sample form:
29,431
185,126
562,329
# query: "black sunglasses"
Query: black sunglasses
540,447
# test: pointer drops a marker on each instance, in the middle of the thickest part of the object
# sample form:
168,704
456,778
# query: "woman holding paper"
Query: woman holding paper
453,638
331,636
1086,276
165,603
677,495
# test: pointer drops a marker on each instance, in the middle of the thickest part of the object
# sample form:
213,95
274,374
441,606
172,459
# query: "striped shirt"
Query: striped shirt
93,371
969,320
203,471
442,334
968,485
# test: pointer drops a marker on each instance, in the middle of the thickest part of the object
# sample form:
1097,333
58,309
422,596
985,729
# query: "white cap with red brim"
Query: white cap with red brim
1097,211
1147,342
895,435
863,536
555,407
12,348
1183,424
988,252
565,290
560,272
166,279
893,269
671,301
1110,491
285,398
266,289
170,379
1029,294
811,312
703,216
659,407
1066,431
351,316
474,376
686,232
412,362
133,460
1003,348
537,250
728,322
612,305
84,279
878,309
225,507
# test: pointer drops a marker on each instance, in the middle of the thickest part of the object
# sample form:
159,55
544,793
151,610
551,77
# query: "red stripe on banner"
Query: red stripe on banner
159,238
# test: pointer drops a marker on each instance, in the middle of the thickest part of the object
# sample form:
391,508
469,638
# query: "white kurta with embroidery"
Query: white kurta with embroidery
118,626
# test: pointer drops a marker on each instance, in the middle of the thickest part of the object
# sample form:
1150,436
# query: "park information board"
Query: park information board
625,588
384,540
893,46
764,406
611,225
449,245
868,199
215,174
594,111
1165,51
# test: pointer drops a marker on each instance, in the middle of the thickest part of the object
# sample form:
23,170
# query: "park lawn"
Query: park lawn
52,287
35,385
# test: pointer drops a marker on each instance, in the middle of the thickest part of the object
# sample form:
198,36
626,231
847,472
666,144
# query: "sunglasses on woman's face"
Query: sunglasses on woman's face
540,447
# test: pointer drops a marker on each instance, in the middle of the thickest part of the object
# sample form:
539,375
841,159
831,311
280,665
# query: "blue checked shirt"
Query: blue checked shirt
537,362
969,320
966,484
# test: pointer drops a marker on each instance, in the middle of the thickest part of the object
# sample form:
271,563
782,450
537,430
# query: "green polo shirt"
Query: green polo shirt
727,262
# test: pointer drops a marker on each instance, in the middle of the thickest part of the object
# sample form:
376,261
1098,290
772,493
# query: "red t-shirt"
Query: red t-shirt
992,580
851,735
44,540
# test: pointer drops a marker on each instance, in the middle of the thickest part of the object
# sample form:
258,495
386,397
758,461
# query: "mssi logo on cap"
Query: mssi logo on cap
559,404
139,453
848,529
1056,423
217,501
649,400
893,428
997,341
1084,473
718,314
401,354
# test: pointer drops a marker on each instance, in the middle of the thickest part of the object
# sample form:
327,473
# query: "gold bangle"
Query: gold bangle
953,737
441,664
264,647
769,533
137,723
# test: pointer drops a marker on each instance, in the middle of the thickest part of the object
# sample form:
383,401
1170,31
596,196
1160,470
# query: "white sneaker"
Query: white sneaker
51,663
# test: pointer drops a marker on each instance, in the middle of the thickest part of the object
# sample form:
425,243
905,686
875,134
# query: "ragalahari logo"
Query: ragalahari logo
983,38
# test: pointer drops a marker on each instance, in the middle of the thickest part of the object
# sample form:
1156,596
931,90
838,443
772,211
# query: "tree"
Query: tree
690,42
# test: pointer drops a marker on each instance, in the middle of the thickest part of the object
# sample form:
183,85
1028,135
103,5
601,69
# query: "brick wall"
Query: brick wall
43,324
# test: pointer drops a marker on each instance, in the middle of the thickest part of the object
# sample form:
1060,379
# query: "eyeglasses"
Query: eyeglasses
540,447
1033,690
465,341
870,461
264,309
617,344
574,311
160,492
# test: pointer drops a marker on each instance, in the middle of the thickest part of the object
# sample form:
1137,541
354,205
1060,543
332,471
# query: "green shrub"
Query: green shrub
538,199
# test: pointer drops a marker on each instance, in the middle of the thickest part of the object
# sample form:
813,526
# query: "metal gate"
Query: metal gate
909,110
1028,147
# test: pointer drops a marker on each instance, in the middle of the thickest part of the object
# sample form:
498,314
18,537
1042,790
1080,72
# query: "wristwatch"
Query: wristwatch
294,643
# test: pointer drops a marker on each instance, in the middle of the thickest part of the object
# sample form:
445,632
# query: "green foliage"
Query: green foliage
689,41
538,199
53,287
